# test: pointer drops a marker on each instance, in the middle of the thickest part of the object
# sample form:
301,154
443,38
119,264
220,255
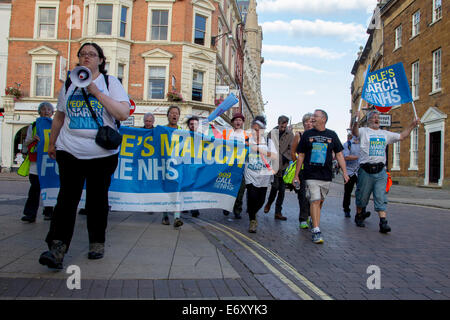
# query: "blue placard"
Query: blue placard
387,87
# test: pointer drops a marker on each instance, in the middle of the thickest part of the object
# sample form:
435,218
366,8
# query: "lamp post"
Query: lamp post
215,38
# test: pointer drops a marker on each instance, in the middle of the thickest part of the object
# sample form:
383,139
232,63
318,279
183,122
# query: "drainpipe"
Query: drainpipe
70,35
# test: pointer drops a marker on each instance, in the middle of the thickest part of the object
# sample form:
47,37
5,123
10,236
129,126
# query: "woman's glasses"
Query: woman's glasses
88,54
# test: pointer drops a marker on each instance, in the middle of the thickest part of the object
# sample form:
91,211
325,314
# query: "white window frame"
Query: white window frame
156,58
415,28
45,4
414,150
415,80
112,19
396,151
437,11
42,55
159,5
437,71
127,24
398,37
203,8
90,18
204,95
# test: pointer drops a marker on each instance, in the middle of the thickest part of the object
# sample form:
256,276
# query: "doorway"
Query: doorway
435,157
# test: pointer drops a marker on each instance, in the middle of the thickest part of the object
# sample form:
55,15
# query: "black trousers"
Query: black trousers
255,200
348,189
73,173
34,195
278,187
302,200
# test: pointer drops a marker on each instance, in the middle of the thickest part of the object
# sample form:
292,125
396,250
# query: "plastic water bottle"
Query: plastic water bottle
296,184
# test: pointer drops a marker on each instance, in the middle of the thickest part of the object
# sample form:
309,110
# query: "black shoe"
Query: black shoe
28,219
365,214
225,212
359,220
237,216
55,256
195,213
347,214
384,227
177,223
96,250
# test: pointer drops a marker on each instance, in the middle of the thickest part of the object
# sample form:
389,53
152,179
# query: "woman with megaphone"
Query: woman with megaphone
86,105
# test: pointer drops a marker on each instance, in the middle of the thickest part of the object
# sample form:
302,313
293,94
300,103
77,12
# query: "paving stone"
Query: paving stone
161,288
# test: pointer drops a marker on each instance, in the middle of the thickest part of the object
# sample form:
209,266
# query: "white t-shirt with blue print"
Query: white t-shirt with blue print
373,144
77,135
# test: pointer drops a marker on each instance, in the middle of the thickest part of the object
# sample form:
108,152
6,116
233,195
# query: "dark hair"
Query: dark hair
173,107
282,119
193,118
260,118
100,53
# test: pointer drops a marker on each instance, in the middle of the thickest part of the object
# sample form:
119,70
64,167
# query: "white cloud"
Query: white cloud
309,92
315,6
303,51
318,28
275,75
291,65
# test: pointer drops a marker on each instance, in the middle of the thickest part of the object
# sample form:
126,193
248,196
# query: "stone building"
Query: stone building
189,47
416,33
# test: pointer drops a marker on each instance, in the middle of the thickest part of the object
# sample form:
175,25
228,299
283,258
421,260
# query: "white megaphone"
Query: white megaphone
81,76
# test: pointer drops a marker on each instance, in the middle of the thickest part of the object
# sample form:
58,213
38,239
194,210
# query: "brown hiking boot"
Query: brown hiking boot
253,225
279,216
267,208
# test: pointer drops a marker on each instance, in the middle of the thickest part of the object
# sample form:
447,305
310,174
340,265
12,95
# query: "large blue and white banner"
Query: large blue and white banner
165,169
387,87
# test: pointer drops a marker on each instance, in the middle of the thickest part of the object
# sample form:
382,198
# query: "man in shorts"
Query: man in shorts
315,150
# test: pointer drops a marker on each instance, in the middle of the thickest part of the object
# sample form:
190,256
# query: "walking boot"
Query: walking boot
96,250
279,216
253,225
55,256
267,208
359,220
384,227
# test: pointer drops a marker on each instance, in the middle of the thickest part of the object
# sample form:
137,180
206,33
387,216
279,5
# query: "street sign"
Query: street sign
129,122
222,89
385,120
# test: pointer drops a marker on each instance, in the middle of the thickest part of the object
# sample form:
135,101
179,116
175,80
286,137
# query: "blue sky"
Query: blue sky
309,48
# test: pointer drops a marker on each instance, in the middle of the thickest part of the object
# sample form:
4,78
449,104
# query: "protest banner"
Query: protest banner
163,169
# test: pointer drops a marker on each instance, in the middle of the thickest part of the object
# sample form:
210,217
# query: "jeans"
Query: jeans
371,183
348,189
73,173
278,186
255,200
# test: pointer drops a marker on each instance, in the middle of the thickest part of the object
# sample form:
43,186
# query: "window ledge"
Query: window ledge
395,169
416,98
435,21
413,169
397,48
434,92
414,36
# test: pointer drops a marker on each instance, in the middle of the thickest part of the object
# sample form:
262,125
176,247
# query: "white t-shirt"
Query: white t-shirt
256,172
77,135
373,144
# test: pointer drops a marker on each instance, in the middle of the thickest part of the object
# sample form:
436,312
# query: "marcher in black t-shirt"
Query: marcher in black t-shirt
315,152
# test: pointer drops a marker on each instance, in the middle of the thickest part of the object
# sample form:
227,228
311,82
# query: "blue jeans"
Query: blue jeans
371,183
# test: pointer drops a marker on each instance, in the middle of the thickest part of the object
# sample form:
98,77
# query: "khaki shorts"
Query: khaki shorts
317,189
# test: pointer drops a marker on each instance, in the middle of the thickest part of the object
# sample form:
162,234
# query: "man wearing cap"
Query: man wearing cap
237,133
372,176
283,139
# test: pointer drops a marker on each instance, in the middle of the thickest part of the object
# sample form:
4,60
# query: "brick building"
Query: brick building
417,33
153,47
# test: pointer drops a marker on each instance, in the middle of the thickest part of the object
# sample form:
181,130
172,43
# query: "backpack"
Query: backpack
106,77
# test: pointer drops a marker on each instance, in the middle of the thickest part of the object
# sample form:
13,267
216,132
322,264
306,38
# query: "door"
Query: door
435,157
